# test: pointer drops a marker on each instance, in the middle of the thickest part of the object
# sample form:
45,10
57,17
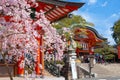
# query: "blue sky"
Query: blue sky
103,13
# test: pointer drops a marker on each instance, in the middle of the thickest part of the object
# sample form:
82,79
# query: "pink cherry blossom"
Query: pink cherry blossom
18,34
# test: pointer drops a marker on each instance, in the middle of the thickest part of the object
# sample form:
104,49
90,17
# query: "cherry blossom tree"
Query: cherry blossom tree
18,31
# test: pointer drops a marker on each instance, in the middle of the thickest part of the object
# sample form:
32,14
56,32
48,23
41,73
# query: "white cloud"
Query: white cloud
113,18
92,1
108,34
115,15
104,4
85,15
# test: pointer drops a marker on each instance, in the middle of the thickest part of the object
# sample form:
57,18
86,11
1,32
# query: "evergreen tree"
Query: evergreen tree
116,31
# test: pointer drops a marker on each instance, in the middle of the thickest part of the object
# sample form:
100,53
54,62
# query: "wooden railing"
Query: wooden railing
52,68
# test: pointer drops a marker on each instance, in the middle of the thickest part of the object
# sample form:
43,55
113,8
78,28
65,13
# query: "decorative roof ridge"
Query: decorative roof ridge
96,33
62,3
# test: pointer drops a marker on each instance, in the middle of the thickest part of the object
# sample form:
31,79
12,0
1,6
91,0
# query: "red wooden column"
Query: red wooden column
37,68
20,66
42,56
118,47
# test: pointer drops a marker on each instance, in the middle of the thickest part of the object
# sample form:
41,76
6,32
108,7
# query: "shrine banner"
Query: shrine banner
118,47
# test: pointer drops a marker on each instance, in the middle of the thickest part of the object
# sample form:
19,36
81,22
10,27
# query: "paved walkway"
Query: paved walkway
103,70
109,70
45,78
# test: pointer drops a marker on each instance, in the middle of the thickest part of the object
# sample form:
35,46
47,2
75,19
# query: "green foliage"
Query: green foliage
59,62
67,36
67,22
116,32
107,50
78,45
110,56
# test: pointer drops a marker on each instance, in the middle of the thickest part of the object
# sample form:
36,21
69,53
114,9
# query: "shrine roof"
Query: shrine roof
87,34
55,9
96,33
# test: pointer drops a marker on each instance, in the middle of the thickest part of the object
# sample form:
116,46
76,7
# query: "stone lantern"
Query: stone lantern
72,58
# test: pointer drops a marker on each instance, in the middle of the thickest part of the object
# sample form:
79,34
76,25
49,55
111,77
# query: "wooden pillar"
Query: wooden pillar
42,56
20,66
37,68
118,47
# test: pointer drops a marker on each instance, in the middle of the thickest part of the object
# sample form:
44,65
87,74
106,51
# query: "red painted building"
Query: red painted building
87,38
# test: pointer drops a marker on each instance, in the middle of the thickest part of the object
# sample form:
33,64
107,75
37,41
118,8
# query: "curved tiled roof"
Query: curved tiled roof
96,33
91,29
